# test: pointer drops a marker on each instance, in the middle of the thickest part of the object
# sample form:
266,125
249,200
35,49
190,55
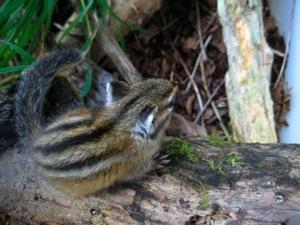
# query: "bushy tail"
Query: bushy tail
33,86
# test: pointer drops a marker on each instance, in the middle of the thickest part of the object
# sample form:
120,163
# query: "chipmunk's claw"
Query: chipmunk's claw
162,161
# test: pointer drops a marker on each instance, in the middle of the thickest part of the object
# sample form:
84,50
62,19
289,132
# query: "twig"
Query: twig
202,68
203,73
172,76
206,29
164,28
195,87
8,79
209,101
199,58
199,31
214,16
175,40
283,62
276,52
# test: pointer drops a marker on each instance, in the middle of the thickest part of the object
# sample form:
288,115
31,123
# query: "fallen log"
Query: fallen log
228,184
223,183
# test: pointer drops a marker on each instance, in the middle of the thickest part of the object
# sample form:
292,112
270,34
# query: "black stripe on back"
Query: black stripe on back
87,137
76,140
69,126
87,162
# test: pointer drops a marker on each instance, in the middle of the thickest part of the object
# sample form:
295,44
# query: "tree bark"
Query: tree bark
248,78
262,188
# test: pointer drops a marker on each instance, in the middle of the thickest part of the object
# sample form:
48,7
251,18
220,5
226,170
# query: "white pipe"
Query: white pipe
282,11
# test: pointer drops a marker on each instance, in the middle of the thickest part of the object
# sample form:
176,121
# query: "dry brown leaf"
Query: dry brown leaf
179,126
190,43
190,104
208,114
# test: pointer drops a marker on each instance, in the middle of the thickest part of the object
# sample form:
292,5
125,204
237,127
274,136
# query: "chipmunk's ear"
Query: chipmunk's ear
116,90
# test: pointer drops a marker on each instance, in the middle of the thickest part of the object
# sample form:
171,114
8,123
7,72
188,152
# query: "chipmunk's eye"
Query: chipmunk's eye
144,126
146,113
153,121
172,102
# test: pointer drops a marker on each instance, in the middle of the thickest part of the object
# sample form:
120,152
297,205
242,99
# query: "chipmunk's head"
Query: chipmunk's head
143,107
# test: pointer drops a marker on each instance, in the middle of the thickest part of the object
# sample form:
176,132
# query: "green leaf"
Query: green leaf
121,39
13,69
9,24
87,44
88,82
49,9
7,8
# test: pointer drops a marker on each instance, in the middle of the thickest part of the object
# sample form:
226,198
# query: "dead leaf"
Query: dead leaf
189,105
190,43
179,126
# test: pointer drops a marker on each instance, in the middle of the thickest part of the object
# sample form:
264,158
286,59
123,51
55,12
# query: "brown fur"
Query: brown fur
84,150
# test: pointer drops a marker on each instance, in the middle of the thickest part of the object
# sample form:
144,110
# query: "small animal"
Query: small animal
85,150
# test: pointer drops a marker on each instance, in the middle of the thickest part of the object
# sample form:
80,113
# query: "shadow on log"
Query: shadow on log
263,187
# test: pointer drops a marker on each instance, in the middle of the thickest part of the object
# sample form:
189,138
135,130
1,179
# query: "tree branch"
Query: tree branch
248,78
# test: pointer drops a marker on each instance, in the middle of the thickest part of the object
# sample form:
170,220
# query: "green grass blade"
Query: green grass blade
121,38
26,56
9,24
49,6
20,32
13,69
8,8
4,5
87,44
77,20
23,24
88,82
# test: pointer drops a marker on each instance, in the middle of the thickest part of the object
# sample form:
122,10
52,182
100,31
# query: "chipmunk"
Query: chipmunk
86,150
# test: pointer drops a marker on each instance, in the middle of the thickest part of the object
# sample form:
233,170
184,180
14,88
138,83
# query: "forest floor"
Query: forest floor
181,41
170,47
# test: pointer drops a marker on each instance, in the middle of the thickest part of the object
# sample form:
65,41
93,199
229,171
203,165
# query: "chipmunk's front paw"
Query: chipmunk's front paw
161,161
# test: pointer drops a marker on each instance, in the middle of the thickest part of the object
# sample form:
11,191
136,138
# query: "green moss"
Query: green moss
259,166
216,141
232,159
178,147
216,165
219,141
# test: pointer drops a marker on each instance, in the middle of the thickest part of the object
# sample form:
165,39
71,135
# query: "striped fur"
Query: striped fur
33,86
84,150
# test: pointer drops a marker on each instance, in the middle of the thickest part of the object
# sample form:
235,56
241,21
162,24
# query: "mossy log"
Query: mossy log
248,78
259,185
